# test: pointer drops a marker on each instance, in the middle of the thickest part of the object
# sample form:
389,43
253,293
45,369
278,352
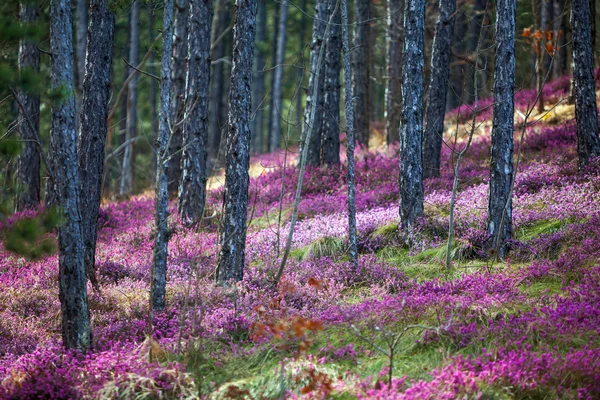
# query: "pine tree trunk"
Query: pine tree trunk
275,35
557,38
93,124
276,92
235,198
361,70
258,94
161,239
411,169
153,85
81,28
217,91
393,83
72,281
438,89
475,23
457,67
301,62
192,191
180,49
539,25
501,161
126,184
313,156
330,143
28,164
586,113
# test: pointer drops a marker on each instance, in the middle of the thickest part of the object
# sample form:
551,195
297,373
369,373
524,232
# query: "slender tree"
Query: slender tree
180,49
235,197
276,90
411,170
586,113
438,88
330,136
393,83
161,239
351,140
126,183
301,37
501,161
258,94
457,66
153,84
315,91
475,22
558,37
28,164
71,274
93,123
192,191
361,70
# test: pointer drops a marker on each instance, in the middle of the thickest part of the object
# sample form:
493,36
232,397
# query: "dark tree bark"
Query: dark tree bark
539,24
235,197
475,23
126,184
161,239
28,164
93,124
350,128
276,90
361,70
457,67
438,89
180,49
81,27
258,94
192,191
330,143
411,169
558,38
72,281
393,84
301,63
218,98
586,113
313,156
501,161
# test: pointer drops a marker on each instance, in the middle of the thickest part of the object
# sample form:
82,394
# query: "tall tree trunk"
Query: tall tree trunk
539,17
71,274
457,67
126,184
81,28
153,85
361,70
276,91
438,89
411,169
330,143
301,64
161,239
475,23
393,83
180,49
28,164
93,124
275,35
217,89
259,77
192,191
313,156
558,38
586,113
235,198
350,128
593,25
501,161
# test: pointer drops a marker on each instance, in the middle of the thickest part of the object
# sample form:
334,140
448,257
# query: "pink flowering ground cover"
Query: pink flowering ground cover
526,328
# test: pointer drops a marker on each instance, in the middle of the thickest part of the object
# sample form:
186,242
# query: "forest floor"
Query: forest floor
527,327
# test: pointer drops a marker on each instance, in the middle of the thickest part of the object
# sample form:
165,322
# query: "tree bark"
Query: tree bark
393,83
180,49
361,70
501,161
411,169
475,23
539,24
235,197
153,85
192,191
72,281
438,89
301,63
126,184
81,27
258,95
161,239
277,89
457,68
28,163
558,39
586,113
93,124
330,143
313,156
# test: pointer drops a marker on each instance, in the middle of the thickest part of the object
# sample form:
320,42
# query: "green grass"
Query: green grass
529,232
323,247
